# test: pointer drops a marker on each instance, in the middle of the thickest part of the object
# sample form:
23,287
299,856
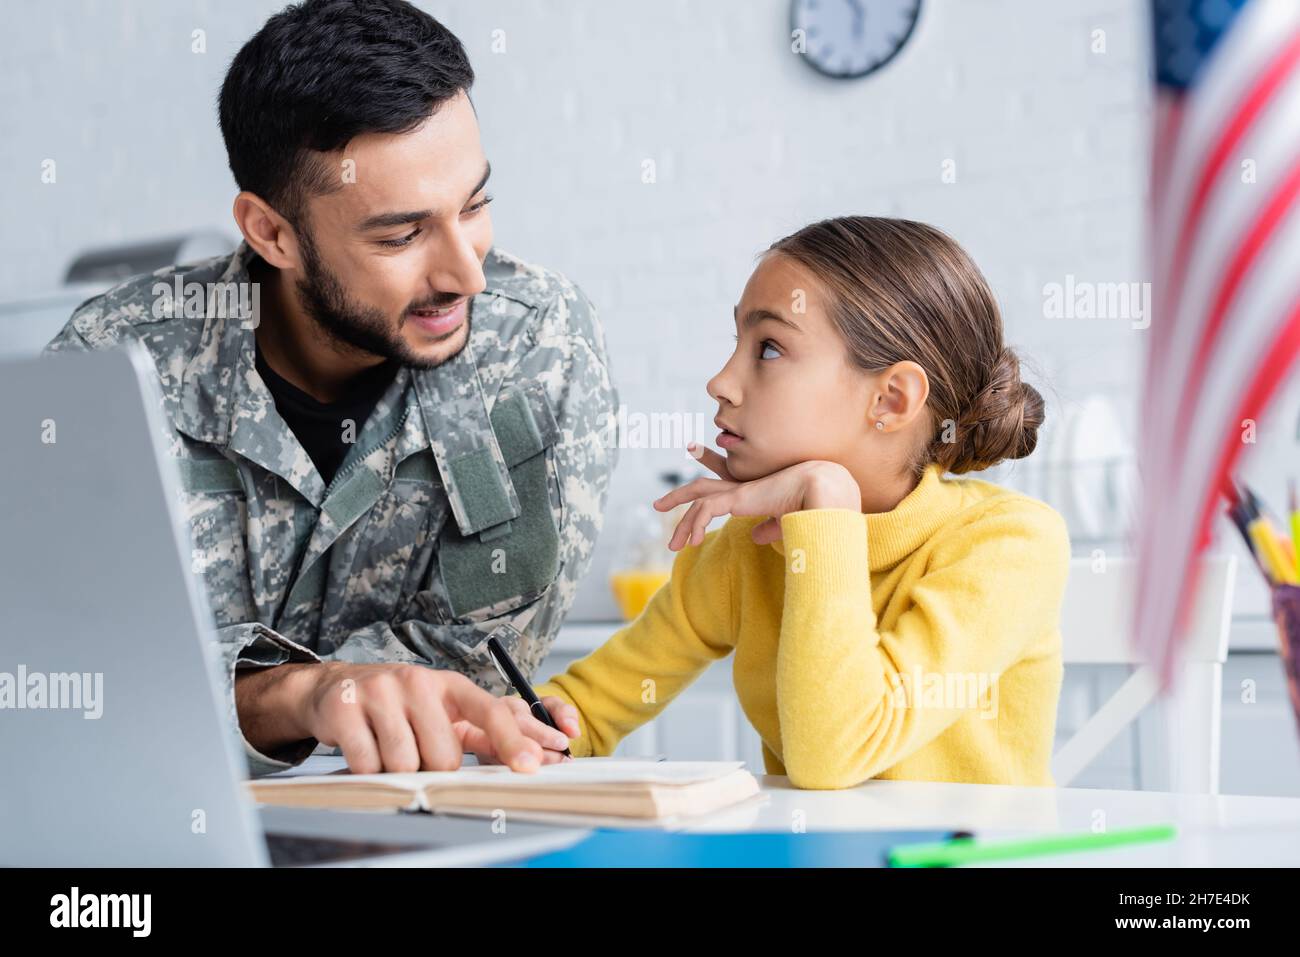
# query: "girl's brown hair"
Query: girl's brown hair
901,290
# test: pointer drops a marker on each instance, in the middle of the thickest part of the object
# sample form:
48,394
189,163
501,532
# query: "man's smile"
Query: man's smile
440,322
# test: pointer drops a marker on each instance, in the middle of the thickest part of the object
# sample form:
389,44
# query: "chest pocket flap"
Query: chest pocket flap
514,561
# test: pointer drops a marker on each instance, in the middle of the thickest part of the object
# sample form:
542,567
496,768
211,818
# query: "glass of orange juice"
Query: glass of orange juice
634,587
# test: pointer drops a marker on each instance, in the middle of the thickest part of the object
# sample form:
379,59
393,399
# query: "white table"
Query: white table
1213,830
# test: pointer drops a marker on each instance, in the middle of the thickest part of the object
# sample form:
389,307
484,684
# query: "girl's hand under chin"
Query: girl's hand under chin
798,487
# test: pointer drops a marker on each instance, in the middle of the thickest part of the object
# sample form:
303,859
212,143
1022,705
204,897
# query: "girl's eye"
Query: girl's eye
401,241
766,344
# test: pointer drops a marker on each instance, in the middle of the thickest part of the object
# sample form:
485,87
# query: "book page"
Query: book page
580,772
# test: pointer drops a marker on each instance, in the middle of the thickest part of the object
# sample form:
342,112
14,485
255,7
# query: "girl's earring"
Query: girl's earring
880,425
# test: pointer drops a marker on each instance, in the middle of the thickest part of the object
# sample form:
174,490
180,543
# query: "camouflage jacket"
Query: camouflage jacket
471,497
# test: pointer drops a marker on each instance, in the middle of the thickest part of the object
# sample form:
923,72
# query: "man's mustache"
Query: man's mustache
442,302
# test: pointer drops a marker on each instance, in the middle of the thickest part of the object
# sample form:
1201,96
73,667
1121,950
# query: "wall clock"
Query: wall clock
845,39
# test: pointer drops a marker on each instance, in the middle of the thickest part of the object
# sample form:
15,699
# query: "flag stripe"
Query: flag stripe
1274,212
1252,104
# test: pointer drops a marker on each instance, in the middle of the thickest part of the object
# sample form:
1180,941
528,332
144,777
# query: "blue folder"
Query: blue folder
608,847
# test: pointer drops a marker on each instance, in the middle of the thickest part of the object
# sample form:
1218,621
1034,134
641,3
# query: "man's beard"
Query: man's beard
346,324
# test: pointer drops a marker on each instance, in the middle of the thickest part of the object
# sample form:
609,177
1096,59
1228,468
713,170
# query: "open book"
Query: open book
587,787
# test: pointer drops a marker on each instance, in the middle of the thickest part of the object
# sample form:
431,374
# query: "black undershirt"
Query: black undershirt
319,426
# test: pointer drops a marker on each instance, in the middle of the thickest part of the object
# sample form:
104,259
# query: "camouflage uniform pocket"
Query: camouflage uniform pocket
484,576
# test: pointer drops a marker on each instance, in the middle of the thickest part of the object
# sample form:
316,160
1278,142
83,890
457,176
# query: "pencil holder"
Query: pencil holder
1286,613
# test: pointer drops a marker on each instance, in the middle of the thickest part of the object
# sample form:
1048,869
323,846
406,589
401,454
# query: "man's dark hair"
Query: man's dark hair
321,72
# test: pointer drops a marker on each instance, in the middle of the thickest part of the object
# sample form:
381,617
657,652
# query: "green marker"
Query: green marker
964,850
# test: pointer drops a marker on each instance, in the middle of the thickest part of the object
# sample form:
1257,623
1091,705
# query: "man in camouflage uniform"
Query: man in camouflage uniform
471,497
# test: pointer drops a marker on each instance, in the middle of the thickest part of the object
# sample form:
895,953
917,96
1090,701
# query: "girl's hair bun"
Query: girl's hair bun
1001,423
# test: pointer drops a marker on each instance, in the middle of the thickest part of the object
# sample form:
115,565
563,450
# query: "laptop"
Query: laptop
116,745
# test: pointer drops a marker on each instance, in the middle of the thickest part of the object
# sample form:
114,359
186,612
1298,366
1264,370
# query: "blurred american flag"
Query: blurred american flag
1225,247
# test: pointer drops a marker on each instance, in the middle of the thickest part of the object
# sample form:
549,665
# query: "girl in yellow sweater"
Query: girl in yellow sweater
886,621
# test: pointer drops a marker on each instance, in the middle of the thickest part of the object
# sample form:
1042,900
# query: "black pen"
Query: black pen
515,679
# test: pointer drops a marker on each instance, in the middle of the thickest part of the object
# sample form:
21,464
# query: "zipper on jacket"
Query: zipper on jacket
356,463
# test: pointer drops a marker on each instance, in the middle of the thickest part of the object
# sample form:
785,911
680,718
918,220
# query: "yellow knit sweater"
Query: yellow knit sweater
921,643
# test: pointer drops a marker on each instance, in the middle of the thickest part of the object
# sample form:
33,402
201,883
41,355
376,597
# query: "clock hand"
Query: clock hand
858,15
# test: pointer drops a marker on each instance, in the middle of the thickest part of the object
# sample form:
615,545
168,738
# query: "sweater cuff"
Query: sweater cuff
825,551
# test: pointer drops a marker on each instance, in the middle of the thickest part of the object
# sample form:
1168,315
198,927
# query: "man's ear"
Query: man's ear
268,233
901,393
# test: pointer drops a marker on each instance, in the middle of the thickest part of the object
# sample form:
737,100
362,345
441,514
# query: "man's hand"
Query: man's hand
564,714
389,717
